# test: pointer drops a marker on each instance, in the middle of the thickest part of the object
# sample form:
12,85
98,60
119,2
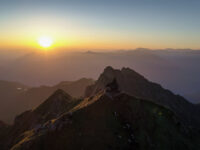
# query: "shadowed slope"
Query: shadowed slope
57,104
4,130
110,117
112,122
135,84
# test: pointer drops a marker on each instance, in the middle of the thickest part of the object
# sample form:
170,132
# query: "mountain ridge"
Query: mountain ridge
108,117
134,84
123,119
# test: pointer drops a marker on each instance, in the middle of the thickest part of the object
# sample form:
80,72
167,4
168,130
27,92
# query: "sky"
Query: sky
101,24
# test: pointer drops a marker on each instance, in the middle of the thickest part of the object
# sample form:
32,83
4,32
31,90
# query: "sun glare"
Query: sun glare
45,41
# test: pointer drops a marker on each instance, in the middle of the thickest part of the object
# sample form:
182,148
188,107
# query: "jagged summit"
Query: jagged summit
135,84
108,68
125,70
124,77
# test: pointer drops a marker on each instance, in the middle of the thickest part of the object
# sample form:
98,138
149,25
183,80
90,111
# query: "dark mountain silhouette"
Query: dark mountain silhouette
134,84
16,97
107,121
53,107
115,114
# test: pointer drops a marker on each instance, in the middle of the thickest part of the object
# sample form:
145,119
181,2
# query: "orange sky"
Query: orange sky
100,25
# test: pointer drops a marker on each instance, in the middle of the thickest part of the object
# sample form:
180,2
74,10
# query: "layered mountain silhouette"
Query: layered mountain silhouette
16,97
174,69
114,114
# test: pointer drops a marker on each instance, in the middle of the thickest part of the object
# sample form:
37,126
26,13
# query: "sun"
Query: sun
45,41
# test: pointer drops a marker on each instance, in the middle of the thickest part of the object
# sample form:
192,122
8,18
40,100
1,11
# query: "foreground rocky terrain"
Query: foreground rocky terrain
122,110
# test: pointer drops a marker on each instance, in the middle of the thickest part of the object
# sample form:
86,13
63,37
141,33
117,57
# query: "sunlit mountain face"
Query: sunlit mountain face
99,75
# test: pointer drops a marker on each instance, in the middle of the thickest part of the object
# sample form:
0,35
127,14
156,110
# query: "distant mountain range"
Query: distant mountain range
16,97
174,69
121,110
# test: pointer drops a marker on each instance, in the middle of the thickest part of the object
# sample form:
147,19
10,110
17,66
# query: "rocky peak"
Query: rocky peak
125,71
58,103
108,74
55,104
136,85
60,95
108,69
123,77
